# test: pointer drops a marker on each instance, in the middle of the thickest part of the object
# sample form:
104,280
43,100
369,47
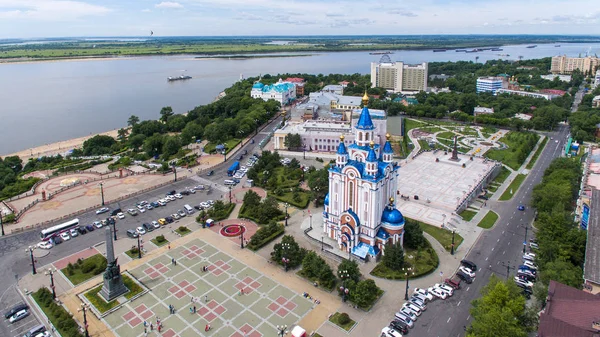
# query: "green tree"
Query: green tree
393,256
288,248
165,113
413,235
171,146
148,128
137,141
97,145
153,145
176,123
122,134
351,267
315,268
293,141
318,182
133,120
365,293
191,132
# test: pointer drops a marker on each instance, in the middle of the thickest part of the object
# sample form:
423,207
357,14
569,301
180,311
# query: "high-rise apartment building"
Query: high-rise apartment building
398,76
566,65
491,84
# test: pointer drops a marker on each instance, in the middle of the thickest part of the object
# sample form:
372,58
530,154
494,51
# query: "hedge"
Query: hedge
60,318
218,216
258,245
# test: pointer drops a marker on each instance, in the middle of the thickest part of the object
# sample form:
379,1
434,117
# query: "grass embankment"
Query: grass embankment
467,214
513,187
488,220
229,145
500,178
133,253
101,305
537,154
83,270
423,262
519,146
443,236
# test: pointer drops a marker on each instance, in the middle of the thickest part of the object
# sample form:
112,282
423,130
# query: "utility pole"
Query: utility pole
1,223
508,268
452,249
175,172
102,192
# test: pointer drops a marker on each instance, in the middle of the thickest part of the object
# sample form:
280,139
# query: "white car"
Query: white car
445,288
424,293
140,230
530,265
178,196
175,216
120,215
98,224
102,210
19,316
73,232
210,202
170,198
529,256
192,190
438,293
45,245
162,202
467,271
389,332
402,317
204,205
155,224
142,210
149,207
43,334
408,313
534,245
523,282
65,236
416,310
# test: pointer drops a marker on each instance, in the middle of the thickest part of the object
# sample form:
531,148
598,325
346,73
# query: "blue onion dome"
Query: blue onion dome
342,147
387,147
372,156
326,200
258,85
391,215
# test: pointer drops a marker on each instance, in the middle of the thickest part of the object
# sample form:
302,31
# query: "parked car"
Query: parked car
45,245
408,313
469,264
181,213
56,240
464,277
98,224
18,316
389,332
529,256
184,193
524,267
420,304
148,227
210,173
438,293
523,282
424,292
423,298
401,317
89,228
169,219
399,326
132,212
530,265
526,272
15,309
65,236
102,210
73,232
155,204
161,202
178,196
81,230
175,216
173,192
445,288
155,224
140,230
132,233
454,283
533,245
115,212
412,308
121,216
467,271
526,277
149,207
162,221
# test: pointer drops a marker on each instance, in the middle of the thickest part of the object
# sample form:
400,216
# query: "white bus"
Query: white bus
49,232
229,183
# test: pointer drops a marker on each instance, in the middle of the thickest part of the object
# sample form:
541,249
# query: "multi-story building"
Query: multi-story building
526,94
299,83
596,102
480,110
551,77
491,84
282,92
597,79
360,213
399,77
566,65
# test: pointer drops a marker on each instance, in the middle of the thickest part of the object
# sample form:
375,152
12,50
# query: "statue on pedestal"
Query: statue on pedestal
113,282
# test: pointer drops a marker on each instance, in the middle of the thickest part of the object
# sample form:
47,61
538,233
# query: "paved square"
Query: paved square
236,300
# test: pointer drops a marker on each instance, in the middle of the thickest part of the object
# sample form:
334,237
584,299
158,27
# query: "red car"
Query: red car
455,284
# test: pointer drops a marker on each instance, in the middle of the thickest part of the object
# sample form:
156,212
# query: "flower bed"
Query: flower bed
232,230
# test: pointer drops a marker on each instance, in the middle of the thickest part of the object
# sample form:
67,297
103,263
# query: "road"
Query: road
14,261
578,98
496,249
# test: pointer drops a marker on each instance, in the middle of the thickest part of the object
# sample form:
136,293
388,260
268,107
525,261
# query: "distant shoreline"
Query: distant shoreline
246,57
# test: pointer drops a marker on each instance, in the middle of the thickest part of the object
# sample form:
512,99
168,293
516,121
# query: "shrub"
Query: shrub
264,235
343,318
160,238
182,229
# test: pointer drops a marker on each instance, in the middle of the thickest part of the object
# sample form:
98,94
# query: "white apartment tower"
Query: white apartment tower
397,76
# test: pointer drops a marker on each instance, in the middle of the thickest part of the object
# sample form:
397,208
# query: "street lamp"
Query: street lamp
322,242
406,273
281,330
140,246
84,309
286,213
310,216
51,272
241,237
285,247
1,223
102,192
508,268
344,275
30,250
304,146
525,241
174,171
452,249
230,194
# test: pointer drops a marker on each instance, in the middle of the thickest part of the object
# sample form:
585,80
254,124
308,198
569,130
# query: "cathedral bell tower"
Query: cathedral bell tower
387,153
372,165
342,154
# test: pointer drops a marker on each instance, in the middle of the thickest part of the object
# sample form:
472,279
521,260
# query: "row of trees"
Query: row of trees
561,252
584,122
11,181
260,211
361,292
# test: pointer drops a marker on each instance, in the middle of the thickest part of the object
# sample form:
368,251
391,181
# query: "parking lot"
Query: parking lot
17,329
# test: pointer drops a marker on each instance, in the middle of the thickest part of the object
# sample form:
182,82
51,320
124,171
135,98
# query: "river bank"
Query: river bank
61,147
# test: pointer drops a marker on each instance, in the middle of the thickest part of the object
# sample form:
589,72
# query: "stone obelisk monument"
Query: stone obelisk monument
113,282
455,151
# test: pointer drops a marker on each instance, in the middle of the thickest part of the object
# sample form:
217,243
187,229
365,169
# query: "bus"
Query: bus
47,233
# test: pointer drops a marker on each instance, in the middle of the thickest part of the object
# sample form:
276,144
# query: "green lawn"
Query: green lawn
182,230
519,145
514,187
410,124
334,319
488,220
80,273
446,134
501,177
229,145
537,154
443,236
133,253
101,305
467,214
423,262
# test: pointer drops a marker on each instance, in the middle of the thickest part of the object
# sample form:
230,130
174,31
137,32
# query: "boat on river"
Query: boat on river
178,78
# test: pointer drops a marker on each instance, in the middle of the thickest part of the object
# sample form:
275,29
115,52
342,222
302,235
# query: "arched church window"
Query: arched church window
360,136
367,136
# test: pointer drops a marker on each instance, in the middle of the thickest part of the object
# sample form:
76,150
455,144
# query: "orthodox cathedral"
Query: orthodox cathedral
360,213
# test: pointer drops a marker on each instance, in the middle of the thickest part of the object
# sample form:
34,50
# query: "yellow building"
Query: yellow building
566,65
399,77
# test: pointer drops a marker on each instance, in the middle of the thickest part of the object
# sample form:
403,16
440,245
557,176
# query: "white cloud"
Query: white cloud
146,10
169,4
51,10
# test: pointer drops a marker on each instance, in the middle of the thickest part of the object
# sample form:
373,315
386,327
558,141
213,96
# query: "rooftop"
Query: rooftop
569,312
591,267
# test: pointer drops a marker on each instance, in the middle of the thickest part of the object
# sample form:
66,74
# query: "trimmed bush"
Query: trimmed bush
264,235
343,318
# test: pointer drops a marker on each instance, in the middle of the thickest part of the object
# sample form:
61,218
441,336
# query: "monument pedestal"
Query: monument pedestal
113,282
113,288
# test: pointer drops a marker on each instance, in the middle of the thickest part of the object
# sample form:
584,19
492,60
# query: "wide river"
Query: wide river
46,102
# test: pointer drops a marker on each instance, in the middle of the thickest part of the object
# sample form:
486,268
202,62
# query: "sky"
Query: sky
64,18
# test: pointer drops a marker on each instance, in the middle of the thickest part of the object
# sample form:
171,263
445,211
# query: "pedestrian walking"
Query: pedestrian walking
145,324
205,298
194,309
151,327
169,246
192,300
173,261
191,311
